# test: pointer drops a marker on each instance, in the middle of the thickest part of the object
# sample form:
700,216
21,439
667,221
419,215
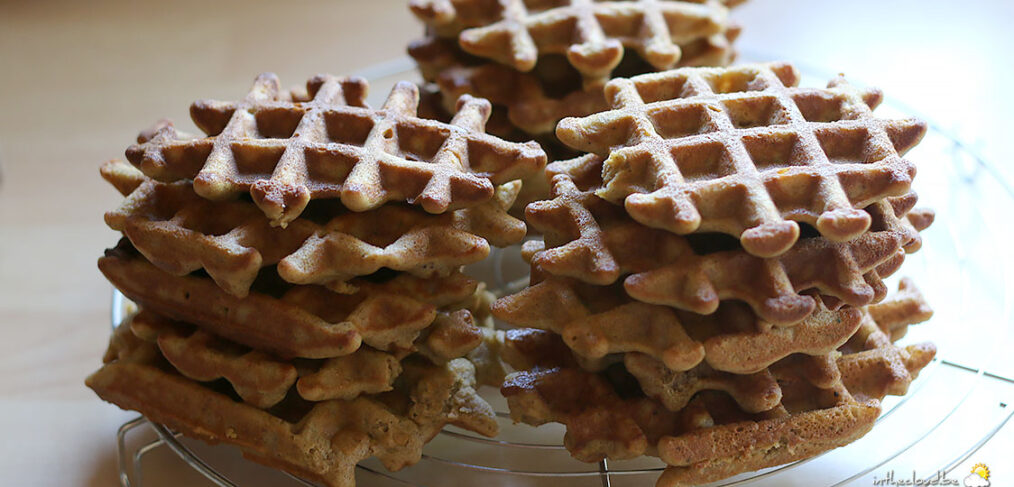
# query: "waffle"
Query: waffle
263,380
870,367
824,402
597,321
592,36
490,368
447,18
535,101
745,152
320,441
288,320
257,377
366,371
432,106
594,241
181,232
451,336
525,98
287,149
528,106
907,308
400,238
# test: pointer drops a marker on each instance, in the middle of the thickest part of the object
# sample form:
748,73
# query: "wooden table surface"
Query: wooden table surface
78,80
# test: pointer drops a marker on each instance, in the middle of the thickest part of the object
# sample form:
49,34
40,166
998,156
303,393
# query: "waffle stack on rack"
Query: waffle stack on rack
538,62
298,273
710,289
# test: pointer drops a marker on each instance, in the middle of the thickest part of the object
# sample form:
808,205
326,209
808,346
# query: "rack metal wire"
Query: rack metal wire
966,168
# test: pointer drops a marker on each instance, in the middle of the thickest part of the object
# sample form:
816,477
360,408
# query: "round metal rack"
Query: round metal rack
955,407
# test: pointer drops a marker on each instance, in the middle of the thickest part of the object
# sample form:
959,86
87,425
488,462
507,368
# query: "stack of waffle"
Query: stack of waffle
298,273
539,62
710,285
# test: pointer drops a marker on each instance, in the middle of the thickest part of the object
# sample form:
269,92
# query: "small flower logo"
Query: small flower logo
979,476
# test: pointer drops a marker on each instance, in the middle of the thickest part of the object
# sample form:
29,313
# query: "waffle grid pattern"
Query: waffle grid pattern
285,152
744,151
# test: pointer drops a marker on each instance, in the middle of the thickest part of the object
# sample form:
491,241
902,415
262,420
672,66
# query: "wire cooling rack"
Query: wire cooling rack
956,406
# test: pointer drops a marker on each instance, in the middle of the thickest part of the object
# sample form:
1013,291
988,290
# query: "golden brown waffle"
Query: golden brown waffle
490,369
596,321
531,102
526,99
592,240
714,50
824,402
286,150
528,105
489,366
320,441
366,371
263,380
534,102
614,422
908,307
743,151
447,18
535,187
452,335
431,105
257,377
870,367
180,232
402,238
592,35
288,320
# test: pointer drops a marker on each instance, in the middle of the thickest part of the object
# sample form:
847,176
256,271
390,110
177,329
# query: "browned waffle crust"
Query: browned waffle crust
285,149
180,232
746,152
817,402
652,333
298,273
318,440
592,36
593,241
535,101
